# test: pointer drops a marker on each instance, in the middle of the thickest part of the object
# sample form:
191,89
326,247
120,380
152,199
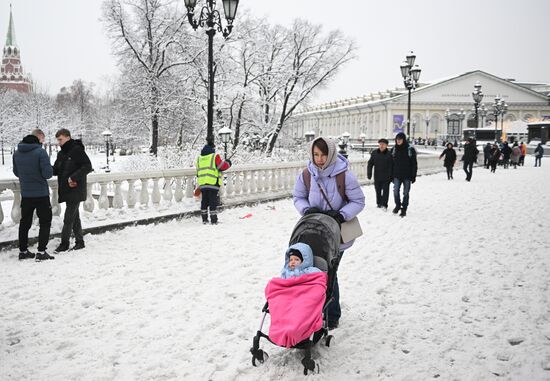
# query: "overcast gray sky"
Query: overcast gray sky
63,40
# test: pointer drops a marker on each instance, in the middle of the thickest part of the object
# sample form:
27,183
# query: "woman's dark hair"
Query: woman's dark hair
322,145
449,144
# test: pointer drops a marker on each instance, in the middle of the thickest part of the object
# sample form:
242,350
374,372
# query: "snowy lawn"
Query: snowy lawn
459,289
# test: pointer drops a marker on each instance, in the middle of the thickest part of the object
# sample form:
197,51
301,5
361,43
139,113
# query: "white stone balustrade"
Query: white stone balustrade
241,183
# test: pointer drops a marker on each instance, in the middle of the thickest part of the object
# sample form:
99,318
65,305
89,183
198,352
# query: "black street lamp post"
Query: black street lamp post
211,21
107,135
477,94
497,109
411,74
427,121
503,110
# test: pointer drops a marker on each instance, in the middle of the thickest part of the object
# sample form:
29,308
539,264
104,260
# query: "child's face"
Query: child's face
294,261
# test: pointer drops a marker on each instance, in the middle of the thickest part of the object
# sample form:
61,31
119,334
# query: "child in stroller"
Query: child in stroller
297,302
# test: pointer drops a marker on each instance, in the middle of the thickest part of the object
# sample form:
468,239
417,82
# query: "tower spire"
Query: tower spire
10,37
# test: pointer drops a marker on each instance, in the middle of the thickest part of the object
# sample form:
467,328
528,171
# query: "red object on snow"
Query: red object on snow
246,216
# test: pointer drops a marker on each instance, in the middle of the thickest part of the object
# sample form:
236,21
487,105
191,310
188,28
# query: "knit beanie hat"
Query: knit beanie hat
295,253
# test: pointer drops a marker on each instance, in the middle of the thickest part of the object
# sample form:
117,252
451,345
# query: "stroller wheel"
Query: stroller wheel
309,365
328,340
259,355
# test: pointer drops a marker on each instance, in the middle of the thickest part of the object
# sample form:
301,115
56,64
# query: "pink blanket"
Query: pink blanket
296,307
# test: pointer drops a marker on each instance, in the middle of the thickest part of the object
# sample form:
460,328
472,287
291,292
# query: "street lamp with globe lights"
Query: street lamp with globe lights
310,135
225,136
477,94
211,20
344,144
363,137
411,74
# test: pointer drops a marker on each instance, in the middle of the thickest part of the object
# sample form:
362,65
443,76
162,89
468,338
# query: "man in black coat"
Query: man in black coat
403,172
469,158
506,152
382,162
487,154
71,167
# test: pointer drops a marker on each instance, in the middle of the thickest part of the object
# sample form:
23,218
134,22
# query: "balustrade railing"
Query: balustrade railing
150,188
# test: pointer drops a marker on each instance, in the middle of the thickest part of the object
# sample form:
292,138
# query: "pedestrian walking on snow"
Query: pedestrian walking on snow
523,148
324,184
210,166
32,166
403,172
450,159
516,154
506,153
469,158
382,162
71,168
539,153
486,155
494,157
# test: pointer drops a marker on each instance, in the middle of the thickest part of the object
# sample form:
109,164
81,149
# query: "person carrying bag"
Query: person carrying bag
328,186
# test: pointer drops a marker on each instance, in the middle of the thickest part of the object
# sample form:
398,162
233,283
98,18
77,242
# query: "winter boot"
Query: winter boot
43,256
78,246
396,210
62,247
403,213
26,255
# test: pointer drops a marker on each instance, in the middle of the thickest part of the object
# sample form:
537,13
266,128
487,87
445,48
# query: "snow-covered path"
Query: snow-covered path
439,294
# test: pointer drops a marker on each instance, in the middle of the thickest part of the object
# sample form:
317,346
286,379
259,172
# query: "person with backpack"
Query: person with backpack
450,159
539,153
469,158
403,172
71,168
32,166
327,186
382,162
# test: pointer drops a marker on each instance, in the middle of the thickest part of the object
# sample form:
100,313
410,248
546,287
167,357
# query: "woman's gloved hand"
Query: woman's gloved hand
312,210
336,215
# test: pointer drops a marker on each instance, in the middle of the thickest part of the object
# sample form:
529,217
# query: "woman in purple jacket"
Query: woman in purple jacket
324,166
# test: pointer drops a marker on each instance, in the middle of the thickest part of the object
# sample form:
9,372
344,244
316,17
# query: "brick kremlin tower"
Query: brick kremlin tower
11,71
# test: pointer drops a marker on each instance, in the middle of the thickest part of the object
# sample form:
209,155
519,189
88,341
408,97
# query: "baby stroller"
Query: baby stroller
322,234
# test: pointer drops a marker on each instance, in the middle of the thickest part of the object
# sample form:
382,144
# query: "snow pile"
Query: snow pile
459,289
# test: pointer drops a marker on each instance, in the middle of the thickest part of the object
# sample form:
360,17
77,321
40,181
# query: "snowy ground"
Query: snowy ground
441,294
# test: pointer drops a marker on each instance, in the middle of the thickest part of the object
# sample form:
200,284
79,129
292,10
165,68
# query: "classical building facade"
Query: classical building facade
439,109
12,75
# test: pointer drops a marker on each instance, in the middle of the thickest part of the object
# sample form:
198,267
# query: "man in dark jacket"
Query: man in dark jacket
469,158
506,152
71,167
382,162
31,165
487,154
403,172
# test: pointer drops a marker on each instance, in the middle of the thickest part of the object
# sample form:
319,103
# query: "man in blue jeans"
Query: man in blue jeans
403,172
